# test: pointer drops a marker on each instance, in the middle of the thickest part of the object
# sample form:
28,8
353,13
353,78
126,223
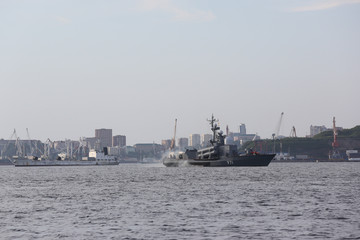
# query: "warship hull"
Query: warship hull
260,160
44,163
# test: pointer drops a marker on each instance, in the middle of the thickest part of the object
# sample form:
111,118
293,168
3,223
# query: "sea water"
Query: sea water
138,201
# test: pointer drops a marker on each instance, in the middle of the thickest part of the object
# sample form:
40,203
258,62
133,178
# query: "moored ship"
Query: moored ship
218,155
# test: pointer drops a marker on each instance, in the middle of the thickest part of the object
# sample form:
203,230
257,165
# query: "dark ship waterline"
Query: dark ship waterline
218,155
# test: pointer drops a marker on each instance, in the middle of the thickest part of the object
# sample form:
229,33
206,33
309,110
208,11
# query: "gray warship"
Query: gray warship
218,155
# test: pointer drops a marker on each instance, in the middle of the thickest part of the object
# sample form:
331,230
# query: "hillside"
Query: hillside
317,147
345,133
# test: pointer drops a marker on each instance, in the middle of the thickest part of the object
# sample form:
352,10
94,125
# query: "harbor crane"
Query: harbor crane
6,147
30,142
18,144
335,143
293,132
254,138
47,148
335,152
277,130
172,145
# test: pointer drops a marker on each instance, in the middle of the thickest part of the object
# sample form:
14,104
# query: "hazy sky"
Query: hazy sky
68,67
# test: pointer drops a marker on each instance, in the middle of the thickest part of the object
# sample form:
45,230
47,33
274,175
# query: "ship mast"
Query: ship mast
214,128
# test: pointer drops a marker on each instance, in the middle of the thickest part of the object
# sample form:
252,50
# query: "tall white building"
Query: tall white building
183,143
105,137
205,139
194,140
316,130
242,129
119,141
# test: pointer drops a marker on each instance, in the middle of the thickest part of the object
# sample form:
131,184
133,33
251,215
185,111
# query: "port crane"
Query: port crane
4,150
18,144
277,130
293,132
172,145
47,148
82,148
30,142
335,152
254,138
335,143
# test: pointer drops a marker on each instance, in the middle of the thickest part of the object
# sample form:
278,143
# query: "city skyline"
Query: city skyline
134,66
106,137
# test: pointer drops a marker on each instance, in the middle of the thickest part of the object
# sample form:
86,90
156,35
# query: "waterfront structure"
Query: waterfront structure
230,138
90,142
166,143
241,137
119,141
20,147
242,129
149,149
194,140
105,137
314,130
183,143
114,151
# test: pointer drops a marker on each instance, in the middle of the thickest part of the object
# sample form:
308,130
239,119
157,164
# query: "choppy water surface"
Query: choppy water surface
282,201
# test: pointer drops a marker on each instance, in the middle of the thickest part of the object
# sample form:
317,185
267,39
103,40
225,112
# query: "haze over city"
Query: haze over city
68,67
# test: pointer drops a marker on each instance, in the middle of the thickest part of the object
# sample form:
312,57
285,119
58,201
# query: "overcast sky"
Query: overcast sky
68,67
